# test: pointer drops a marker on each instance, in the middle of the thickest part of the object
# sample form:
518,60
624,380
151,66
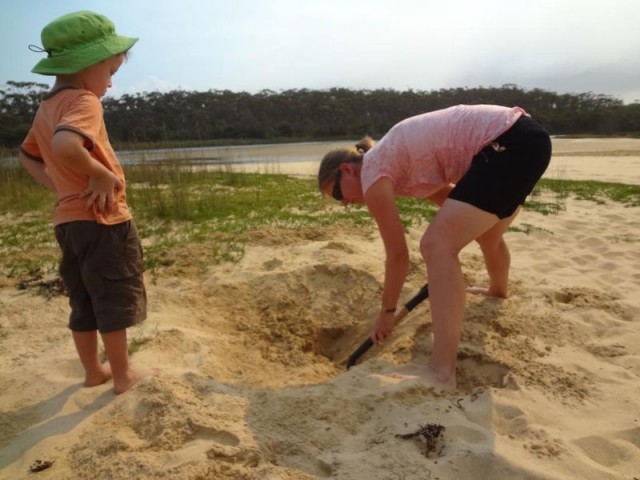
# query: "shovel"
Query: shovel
417,299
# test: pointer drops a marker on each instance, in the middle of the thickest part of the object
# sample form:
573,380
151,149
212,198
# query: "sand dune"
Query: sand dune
254,384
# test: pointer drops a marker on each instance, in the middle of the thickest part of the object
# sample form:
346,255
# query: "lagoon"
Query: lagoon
601,159
233,154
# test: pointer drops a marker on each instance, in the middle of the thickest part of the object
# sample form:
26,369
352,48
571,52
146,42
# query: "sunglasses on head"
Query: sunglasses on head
336,193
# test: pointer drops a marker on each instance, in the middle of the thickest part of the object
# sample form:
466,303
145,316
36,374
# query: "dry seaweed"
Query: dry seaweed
47,288
432,434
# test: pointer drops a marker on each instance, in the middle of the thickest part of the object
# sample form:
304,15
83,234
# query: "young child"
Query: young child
68,151
478,163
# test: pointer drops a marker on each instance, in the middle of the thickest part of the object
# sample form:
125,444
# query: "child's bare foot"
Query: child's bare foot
133,376
425,375
98,377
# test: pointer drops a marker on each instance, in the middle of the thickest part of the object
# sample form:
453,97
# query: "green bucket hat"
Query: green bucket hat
78,40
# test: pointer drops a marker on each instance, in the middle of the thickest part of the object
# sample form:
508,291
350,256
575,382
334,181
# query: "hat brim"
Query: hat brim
75,60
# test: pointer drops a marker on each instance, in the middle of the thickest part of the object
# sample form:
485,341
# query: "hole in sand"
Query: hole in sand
311,320
307,318
337,343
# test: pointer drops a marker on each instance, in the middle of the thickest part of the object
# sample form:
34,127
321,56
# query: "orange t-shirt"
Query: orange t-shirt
79,111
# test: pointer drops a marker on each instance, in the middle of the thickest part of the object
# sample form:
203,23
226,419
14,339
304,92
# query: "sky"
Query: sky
564,46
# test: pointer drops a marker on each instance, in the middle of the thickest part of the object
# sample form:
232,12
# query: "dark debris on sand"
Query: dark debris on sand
48,288
40,465
432,434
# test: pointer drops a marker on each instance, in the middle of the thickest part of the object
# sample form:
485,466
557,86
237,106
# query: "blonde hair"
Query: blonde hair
331,162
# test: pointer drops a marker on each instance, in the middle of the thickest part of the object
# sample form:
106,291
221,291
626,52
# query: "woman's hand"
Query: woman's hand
382,326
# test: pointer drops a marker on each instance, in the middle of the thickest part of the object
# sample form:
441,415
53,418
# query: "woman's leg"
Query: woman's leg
456,225
496,258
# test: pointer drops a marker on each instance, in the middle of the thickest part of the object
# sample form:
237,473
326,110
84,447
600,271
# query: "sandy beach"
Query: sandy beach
254,385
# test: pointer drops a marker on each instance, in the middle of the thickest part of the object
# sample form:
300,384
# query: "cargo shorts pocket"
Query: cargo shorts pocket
125,259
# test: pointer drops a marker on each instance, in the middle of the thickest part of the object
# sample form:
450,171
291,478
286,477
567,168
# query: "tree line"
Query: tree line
182,116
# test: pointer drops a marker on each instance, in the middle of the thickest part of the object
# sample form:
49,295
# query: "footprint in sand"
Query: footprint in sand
583,297
215,444
476,372
510,420
340,246
632,436
610,452
213,435
593,299
272,264
607,350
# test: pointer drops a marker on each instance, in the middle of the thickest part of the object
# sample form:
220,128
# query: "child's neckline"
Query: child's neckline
58,89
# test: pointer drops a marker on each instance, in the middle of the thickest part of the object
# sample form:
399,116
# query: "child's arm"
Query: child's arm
103,185
38,171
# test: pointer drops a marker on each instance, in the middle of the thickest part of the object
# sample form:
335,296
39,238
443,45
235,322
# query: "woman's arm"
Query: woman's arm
380,201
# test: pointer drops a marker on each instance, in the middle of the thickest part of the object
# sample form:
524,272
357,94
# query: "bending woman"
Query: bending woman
478,163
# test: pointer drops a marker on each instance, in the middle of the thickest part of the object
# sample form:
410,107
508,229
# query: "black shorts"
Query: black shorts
102,269
504,173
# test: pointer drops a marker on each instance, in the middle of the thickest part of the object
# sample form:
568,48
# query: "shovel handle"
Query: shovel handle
416,300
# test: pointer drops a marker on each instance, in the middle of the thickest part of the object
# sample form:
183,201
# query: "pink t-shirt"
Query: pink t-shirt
422,154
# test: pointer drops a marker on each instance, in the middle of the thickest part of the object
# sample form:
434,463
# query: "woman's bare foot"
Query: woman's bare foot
133,376
98,377
425,375
478,291
485,291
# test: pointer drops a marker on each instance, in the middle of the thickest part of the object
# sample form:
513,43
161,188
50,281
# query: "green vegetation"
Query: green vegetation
142,336
528,228
215,213
188,118
599,192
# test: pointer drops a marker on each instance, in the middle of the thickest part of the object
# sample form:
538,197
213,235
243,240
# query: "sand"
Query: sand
252,354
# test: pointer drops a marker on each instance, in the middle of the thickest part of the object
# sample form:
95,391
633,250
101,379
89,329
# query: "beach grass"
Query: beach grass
217,212
599,192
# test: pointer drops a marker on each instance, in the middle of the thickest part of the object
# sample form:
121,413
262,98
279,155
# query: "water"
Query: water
299,159
233,155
